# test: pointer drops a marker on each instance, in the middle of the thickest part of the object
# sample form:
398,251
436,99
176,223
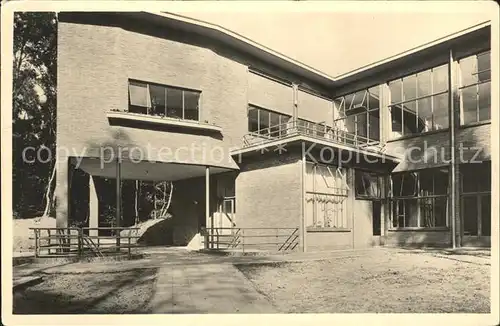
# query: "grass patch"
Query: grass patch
92,293
392,283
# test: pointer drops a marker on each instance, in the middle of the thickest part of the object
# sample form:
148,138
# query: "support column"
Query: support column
118,197
209,220
453,171
62,192
302,225
93,208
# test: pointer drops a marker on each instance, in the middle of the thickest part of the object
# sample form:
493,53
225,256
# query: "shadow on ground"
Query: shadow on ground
98,293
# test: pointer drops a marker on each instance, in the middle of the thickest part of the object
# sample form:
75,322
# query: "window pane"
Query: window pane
174,103
191,105
340,107
424,83
274,123
362,126
396,118
410,117
441,182
157,99
350,124
440,79
349,101
374,127
440,211
253,119
482,175
469,104
409,87
470,214
469,178
373,99
484,99
426,183
404,184
264,122
440,113
359,98
138,94
425,114
486,215
483,63
395,88
367,184
468,70
426,212
411,213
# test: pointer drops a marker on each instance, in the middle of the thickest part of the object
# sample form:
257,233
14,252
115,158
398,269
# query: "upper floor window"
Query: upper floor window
475,88
358,113
419,102
267,122
160,100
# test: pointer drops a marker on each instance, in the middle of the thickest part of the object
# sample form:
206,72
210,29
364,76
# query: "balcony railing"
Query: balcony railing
314,130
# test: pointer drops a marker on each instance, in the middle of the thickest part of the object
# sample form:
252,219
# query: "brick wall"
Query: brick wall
268,193
418,238
324,241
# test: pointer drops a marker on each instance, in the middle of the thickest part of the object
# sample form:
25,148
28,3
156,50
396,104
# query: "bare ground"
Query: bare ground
401,282
95,293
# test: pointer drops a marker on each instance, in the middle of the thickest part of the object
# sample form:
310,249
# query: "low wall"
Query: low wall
418,238
327,240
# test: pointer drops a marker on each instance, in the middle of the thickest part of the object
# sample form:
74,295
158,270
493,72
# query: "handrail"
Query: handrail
72,242
311,129
282,239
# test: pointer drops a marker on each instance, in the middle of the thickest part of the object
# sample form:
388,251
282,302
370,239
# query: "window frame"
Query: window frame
416,100
419,198
461,87
342,113
166,88
342,194
379,179
281,130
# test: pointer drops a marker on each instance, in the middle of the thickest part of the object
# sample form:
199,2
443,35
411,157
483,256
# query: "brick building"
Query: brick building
256,142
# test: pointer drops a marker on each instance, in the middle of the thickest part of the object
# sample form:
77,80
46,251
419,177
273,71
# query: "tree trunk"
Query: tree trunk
49,194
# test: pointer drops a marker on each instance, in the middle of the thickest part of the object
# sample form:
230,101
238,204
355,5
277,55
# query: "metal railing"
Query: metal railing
268,239
315,130
84,242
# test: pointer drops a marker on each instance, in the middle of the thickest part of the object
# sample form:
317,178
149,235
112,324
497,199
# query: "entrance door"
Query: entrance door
367,223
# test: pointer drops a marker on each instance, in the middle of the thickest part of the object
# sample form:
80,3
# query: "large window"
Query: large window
476,198
326,196
419,199
267,123
359,114
160,100
419,102
475,88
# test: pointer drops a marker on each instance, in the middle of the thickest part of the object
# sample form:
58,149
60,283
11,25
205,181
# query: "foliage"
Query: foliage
34,109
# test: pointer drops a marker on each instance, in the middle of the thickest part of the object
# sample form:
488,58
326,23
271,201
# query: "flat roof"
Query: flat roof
274,57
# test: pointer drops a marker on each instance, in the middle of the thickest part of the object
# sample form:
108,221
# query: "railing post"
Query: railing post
129,254
243,239
80,240
37,245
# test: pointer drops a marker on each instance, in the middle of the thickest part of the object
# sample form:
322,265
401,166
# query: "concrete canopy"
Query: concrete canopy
144,170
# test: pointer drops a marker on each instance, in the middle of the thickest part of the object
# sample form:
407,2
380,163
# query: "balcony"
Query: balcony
317,131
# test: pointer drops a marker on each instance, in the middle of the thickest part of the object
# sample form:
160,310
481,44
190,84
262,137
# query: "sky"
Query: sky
338,42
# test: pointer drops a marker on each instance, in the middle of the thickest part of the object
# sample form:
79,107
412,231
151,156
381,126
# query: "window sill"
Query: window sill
420,229
325,229
475,124
432,132
178,123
